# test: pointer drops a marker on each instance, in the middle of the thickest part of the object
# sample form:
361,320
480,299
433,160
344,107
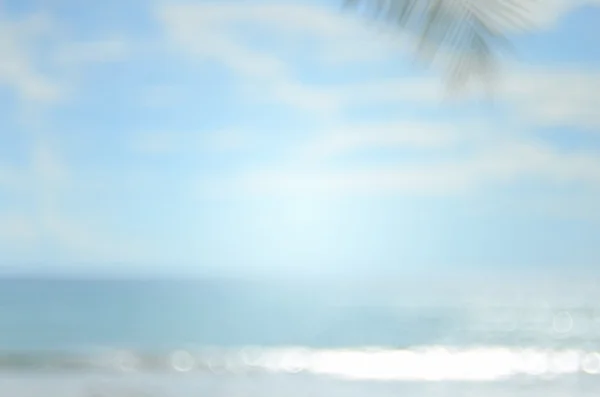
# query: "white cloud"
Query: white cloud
17,230
345,139
307,98
48,182
96,51
546,97
10,178
48,166
40,64
51,182
209,32
190,29
17,66
161,95
496,165
166,143
338,37
48,177
80,243
546,13
542,96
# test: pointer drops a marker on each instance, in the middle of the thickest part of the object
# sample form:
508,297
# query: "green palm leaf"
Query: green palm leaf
467,36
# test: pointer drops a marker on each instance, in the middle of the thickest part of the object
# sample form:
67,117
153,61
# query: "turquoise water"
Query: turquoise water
154,314
268,335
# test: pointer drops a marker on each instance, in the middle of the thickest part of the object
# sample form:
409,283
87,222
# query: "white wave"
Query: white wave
434,363
428,363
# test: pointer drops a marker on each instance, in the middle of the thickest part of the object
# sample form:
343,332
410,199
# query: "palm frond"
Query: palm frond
467,36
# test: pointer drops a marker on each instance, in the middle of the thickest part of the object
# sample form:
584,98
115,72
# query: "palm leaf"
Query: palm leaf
467,36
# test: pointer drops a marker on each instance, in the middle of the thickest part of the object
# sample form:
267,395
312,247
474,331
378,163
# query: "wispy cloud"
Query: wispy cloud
558,96
17,230
210,33
492,167
18,69
10,178
191,142
543,95
44,220
96,51
336,37
340,140
161,95
271,55
77,242
546,13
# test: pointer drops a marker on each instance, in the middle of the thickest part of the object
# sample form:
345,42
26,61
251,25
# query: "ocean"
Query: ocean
63,337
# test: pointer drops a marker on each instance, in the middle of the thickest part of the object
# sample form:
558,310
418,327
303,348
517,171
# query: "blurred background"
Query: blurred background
260,198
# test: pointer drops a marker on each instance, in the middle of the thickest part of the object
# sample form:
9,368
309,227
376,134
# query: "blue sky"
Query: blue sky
286,137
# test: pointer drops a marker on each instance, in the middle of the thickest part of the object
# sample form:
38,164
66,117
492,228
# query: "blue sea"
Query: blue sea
62,337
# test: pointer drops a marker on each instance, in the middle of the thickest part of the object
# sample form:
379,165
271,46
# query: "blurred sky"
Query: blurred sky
247,137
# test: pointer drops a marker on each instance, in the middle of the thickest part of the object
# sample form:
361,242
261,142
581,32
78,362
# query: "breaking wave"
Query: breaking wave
427,363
